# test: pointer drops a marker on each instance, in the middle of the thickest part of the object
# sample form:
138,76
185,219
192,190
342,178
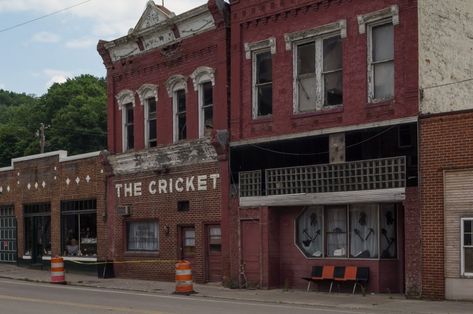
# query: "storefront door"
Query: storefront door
214,253
7,234
37,231
187,235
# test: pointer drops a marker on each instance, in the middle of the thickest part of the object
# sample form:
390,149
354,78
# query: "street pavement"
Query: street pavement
24,290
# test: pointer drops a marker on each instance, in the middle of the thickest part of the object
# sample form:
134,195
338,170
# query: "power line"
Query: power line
43,16
322,153
448,84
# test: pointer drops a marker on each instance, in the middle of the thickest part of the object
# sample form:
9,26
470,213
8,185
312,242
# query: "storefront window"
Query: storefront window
336,231
364,231
388,227
37,230
143,236
309,231
79,228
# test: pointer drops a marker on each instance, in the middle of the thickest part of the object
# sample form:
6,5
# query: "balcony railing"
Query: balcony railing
374,174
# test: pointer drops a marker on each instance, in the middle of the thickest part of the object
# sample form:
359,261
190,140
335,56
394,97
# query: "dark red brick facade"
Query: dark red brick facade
52,178
445,144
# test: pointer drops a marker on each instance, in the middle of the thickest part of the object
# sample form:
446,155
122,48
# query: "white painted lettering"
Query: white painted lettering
190,184
214,177
137,189
170,185
179,182
128,189
119,188
152,187
202,183
162,186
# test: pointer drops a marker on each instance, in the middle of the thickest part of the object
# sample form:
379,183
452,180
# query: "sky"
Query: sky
63,45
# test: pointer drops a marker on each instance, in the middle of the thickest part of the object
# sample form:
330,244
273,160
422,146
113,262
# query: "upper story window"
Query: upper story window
318,68
177,90
126,104
380,28
262,75
148,94
467,247
204,81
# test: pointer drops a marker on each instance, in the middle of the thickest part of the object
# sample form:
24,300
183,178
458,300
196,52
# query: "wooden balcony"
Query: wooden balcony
317,181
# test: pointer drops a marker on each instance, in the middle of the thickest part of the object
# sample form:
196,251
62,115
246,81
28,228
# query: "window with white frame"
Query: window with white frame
262,75
148,94
142,236
318,66
126,104
204,80
379,26
467,247
177,90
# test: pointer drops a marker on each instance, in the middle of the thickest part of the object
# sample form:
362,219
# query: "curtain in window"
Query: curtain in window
143,236
364,230
336,223
387,220
309,231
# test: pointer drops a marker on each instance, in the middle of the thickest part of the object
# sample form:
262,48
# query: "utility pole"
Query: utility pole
42,137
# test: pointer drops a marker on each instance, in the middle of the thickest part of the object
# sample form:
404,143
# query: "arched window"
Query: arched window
177,89
203,79
126,104
148,94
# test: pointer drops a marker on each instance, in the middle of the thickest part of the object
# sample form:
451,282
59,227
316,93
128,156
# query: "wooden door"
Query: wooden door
214,253
187,240
251,254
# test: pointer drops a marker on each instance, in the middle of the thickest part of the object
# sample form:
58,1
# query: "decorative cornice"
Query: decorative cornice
146,91
340,26
202,73
124,97
263,44
391,12
176,82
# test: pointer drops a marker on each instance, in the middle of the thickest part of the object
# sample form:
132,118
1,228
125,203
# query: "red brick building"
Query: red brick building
324,141
53,204
168,134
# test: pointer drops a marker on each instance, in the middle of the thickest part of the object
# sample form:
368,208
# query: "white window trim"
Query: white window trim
145,92
173,84
366,22
251,50
316,35
200,76
462,248
123,98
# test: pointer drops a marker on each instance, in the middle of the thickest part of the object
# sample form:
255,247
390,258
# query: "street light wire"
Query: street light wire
43,16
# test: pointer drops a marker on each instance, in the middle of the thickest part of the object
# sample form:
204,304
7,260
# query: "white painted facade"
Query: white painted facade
445,55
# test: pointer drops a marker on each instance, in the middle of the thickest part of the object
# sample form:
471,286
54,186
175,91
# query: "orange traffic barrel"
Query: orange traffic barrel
57,270
184,278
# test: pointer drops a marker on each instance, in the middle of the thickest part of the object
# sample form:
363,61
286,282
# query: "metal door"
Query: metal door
7,234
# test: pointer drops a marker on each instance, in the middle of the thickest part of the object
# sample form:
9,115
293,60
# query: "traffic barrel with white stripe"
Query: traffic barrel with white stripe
57,270
184,278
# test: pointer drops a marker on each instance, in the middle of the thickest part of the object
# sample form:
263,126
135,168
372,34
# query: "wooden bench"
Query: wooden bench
338,274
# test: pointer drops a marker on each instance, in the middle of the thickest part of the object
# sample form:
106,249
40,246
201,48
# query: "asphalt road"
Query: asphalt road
25,297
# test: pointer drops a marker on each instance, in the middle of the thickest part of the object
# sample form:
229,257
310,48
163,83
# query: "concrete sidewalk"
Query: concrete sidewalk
373,302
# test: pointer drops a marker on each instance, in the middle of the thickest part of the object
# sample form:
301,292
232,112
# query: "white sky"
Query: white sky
49,50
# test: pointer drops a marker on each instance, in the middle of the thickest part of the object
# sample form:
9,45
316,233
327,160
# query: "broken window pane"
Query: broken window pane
207,108
383,42
129,120
333,58
182,132
384,80
181,100
306,58
307,93
333,83
264,89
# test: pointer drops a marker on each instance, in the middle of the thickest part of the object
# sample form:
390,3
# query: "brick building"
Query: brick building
323,150
167,120
53,204
446,148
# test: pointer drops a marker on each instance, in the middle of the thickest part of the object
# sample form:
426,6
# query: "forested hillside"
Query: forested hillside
74,113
